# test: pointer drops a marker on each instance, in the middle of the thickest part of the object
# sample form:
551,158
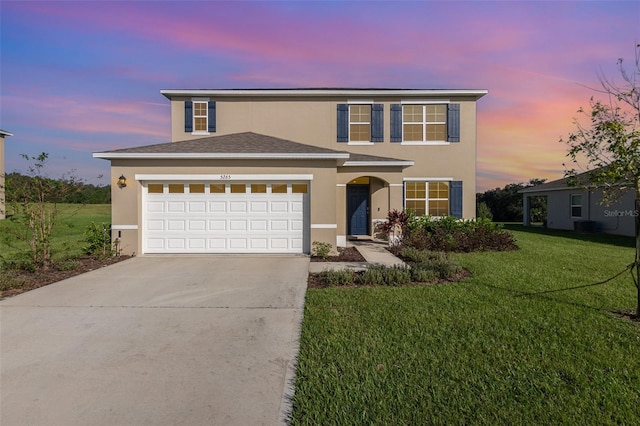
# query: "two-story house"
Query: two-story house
273,170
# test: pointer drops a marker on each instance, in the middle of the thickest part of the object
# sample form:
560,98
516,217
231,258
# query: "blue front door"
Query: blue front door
358,209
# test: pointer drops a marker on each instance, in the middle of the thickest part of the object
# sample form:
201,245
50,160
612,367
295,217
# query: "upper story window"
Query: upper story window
417,123
424,123
359,123
200,116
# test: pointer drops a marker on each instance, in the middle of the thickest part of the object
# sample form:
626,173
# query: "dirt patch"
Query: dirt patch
16,281
345,254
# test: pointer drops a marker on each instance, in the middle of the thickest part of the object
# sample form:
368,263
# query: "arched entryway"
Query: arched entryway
367,198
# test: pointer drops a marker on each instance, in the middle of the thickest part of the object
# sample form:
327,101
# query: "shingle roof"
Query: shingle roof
247,145
237,143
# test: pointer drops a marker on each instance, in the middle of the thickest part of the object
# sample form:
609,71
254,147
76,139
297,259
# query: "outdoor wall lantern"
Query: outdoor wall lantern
122,182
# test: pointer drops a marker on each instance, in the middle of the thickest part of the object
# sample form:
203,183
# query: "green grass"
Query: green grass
67,236
482,351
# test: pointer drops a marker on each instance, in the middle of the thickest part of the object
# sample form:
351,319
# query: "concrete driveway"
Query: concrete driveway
198,340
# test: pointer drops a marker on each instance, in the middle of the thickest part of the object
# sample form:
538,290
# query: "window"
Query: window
427,198
216,188
576,205
238,188
424,123
200,116
176,188
359,123
299,188
258,188
196,188
155,188
278,188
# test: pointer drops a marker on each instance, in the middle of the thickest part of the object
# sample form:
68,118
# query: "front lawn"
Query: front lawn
486,350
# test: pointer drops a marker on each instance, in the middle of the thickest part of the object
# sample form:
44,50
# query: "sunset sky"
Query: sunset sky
79,77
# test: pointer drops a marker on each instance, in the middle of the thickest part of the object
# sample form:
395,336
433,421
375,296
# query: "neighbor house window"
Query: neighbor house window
424,123
359,123
576,205
427,198
200,116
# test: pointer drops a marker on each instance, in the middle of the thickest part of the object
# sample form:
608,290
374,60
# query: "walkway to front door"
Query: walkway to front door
358,209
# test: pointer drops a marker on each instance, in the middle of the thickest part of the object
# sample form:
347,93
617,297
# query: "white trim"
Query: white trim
324,226
396,184
123,227
341,184
341,240
324,92
425,143
221,155
200,133
360,101
361,143
222,177
432,179
378,163
200,99
424,101
5,133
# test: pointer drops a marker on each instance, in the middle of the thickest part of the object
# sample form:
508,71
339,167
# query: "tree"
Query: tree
609,146
505,203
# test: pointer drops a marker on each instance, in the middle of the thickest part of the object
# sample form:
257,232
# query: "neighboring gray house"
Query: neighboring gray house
576,208
3,133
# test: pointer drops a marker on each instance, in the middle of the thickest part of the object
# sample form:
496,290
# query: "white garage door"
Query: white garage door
203,217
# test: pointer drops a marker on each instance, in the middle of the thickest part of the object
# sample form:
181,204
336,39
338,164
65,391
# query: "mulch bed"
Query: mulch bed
32,280
345,254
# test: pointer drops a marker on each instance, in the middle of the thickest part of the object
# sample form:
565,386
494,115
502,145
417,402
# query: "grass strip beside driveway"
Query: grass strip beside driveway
480,351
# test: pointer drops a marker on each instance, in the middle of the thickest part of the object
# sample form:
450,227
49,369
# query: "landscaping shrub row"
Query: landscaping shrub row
454,235
426,267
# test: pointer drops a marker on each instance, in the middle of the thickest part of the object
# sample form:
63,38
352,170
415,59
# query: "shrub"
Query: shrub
423,275
67,265
338,278
321,249
386,276
98,239
450,234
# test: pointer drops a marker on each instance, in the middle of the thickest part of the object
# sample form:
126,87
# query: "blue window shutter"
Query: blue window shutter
343,123
188,116
377,123
396,123
211,112
453,122
455,199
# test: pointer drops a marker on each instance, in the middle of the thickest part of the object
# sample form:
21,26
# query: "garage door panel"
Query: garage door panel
218,206
217,225
237,225
197,225
237,206
176,206
155,206
224,222
259,225
197,206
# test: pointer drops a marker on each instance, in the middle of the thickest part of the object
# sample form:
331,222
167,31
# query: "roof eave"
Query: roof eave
226,156
399,163
477,93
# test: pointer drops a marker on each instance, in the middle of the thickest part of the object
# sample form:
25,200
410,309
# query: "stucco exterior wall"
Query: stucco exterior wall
127,202
313,121
617,218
